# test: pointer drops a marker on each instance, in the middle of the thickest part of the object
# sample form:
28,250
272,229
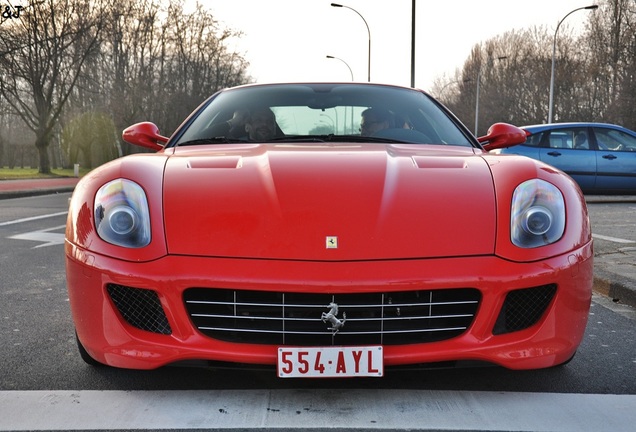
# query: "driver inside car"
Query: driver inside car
261,125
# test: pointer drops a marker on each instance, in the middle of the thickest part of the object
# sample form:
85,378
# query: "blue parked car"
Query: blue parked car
600,157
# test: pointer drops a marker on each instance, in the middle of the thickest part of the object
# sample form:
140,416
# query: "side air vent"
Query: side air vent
141,308
523,308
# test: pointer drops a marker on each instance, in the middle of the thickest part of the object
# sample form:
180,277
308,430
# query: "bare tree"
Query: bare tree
612,40
516,88
158,63
198,62
66,65
123,80
43,56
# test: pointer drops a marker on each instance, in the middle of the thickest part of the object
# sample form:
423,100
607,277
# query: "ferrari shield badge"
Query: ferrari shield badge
332,242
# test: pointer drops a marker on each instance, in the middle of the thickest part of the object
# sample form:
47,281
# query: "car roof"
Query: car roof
542,127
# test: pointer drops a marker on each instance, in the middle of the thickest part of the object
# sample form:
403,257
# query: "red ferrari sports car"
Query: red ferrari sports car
327,230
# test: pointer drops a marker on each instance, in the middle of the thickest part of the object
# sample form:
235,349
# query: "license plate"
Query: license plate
330,362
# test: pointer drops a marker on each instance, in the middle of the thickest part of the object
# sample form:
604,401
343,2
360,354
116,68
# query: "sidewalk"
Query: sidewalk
32,187
614,274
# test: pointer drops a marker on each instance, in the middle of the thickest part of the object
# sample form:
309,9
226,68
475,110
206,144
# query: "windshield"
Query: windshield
322,112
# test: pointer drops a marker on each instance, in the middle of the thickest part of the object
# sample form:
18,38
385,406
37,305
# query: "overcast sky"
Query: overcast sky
288,40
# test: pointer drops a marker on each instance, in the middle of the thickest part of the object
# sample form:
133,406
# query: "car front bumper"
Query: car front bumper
110,338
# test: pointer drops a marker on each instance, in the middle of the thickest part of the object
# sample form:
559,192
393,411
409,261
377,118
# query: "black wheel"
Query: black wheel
85,355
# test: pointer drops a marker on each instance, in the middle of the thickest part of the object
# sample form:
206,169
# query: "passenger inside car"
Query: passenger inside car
374,120
232,128
581,142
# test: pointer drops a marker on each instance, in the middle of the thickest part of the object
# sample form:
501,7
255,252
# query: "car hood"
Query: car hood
310,202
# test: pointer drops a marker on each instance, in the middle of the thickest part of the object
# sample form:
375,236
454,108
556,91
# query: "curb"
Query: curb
616,287
34,192
609,199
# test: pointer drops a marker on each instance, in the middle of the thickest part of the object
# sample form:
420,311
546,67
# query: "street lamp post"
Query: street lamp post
346,64
477,101
477,94
440,94
368,31
413,44
345,113
551,103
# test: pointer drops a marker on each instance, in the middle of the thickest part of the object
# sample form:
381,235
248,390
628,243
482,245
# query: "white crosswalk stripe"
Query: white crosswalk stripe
296,409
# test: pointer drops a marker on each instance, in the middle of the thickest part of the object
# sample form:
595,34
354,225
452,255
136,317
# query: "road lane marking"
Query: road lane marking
44,236
612,239
296,409
29,219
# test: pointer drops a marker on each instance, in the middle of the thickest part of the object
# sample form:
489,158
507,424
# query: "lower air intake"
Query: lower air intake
140,308
523,308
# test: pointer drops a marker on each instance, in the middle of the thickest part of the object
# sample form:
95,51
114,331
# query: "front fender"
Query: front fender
509,171
147,171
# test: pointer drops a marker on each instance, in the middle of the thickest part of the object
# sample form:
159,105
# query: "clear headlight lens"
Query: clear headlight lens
121,214
537,215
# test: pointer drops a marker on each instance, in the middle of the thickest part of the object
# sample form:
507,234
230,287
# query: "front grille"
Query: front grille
141,308
523,308
394,318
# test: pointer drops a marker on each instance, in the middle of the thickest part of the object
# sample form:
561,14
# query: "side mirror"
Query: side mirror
502,135
144,134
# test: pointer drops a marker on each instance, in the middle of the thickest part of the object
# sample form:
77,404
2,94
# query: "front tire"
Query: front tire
85,355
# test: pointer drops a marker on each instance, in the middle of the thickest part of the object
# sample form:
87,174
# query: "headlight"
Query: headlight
121,214
537,215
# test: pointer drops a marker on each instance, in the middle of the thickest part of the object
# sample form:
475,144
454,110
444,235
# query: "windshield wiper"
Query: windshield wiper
215,140
335,138
362,139
299,138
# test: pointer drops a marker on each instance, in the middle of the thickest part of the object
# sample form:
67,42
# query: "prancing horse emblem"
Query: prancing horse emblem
332,242
332,317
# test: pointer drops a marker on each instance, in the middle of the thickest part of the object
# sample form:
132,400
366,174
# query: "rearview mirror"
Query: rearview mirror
144,134
502,135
